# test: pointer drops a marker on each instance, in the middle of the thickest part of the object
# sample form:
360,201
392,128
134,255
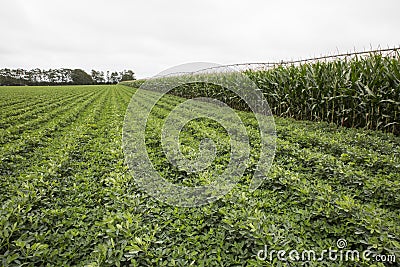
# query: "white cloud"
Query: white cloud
150,36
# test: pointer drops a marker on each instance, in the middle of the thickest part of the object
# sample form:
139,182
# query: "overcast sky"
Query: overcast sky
150,36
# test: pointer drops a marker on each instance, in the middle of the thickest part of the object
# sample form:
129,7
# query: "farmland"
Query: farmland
360,91
67,197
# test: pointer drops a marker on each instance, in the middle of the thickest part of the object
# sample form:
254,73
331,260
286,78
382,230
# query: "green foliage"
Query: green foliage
6,80
361,92
128,76
63,76
358,92
67,197
135,83
81,77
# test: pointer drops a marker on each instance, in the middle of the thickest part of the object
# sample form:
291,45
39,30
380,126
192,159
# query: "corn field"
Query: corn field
361,91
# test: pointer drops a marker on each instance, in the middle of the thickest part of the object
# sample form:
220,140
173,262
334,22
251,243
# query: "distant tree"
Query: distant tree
81,77
7,80
61,76
107,78
52,76
127,75
98,77
101,77
36,76
114,78
65,76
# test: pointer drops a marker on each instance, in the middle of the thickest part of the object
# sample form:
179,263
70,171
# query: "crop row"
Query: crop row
68,198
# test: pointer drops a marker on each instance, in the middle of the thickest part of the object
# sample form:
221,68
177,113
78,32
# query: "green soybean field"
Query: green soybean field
68,198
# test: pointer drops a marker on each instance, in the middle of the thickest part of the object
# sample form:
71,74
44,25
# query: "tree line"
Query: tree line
62,77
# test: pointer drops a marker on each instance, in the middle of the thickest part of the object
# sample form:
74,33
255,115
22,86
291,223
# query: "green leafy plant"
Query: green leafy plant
67,198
